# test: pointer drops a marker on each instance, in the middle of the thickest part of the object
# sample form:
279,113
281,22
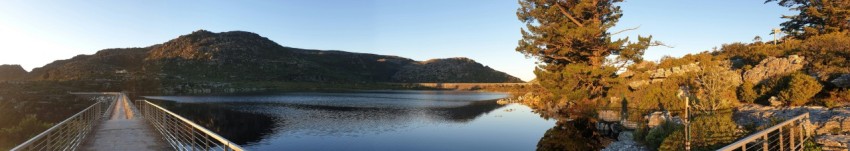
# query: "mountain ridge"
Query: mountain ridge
233,56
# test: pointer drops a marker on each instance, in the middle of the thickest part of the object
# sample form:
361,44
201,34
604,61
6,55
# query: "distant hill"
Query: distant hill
237,56
11,72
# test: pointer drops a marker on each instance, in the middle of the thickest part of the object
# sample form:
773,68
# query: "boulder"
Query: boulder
655,119
833,142
775,102
843,81
637,84
833,125
772,67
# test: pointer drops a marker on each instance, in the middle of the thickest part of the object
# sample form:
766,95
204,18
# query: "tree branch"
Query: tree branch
659,43
564,11
624,30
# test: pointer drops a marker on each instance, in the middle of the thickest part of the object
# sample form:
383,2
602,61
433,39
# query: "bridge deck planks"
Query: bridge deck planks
124,132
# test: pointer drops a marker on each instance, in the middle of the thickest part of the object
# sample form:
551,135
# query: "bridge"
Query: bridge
791,134
113,122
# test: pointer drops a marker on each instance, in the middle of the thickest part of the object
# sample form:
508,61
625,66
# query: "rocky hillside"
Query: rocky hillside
11,72
238,56
451,70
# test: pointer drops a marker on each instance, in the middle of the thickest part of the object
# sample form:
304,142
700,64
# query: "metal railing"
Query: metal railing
183,134
788,135
70,133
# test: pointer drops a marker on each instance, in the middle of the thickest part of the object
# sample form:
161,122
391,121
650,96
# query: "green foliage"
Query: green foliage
771,87
747,92
702,58
828,54
655,137
566,32
810,145
28,127
837,98
801,88
815,17
661,95
576,81
572,42
708,132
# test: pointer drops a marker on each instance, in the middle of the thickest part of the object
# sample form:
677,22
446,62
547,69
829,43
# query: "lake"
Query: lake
367,120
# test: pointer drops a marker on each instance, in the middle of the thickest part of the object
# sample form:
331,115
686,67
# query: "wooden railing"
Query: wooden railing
788,135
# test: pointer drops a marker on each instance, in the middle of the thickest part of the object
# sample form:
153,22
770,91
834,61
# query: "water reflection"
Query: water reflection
373,120
576,135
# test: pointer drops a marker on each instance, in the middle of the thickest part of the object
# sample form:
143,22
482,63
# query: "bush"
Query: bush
836,98
708,132
801,88
747,92
713,85
656,136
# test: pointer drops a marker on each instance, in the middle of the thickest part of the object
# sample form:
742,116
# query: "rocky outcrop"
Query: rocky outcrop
11,72
659,75
833,142
772,67
843,81
826,121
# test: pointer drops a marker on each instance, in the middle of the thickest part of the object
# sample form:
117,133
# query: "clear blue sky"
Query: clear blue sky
34,33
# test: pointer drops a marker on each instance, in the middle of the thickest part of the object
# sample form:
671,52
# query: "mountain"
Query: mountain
11,72
239,56
453,70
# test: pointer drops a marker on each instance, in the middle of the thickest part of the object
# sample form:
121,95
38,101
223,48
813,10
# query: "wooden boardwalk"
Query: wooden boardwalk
124,130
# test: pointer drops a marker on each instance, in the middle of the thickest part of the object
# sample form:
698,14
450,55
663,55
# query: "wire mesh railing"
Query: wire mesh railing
70,133
789,135
183,134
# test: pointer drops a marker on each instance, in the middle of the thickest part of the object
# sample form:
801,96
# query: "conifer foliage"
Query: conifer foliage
570,38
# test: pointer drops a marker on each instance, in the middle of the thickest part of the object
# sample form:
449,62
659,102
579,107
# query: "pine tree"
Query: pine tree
815,17
573,35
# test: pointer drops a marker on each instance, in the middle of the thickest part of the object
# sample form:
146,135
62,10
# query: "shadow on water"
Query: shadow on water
239,127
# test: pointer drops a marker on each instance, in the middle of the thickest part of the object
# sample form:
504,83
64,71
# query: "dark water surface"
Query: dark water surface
367,120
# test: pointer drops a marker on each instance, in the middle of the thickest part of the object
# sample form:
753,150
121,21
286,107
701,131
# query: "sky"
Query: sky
36,32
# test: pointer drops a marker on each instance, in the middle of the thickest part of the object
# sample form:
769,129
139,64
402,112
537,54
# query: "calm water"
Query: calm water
367,120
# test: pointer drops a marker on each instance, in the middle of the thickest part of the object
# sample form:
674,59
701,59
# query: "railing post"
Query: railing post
765,147
791,137
781,141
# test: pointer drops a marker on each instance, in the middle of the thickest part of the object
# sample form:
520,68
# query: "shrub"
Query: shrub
708,132
656,136
713,86
747,92
836,98
801,88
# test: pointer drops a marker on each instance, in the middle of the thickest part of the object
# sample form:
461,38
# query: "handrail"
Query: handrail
183,134
764,136
68,134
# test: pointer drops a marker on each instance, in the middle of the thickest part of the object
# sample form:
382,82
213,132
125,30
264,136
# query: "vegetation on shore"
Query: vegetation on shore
571,40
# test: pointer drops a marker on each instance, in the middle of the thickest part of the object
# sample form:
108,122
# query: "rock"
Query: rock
625,142
842,81
655,119
774,101
833,142
638,84
772,67
833,125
